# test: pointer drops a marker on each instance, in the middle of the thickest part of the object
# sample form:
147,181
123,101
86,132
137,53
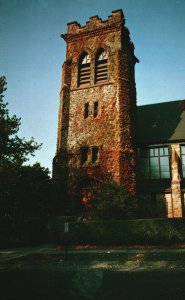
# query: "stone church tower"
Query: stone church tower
96,131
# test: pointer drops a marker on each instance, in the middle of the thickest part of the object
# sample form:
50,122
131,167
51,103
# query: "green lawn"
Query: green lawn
41,274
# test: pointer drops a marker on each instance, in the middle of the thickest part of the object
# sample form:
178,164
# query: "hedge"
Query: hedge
122,232
30,231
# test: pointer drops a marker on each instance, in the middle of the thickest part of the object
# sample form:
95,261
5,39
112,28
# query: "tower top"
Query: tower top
95,23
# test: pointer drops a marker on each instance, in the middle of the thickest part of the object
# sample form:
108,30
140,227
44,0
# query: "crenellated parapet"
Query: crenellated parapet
95,25
96,22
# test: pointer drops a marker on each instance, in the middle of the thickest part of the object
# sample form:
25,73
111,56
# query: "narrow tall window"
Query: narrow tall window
183,160
84,155
94,154
101,68
95,112
84,69
86,110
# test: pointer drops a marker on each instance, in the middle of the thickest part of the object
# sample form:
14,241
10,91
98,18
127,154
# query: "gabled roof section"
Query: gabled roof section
161,123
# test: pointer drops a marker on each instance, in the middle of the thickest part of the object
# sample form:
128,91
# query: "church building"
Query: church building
101,130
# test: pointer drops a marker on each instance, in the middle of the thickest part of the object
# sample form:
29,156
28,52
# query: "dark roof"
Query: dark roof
161,122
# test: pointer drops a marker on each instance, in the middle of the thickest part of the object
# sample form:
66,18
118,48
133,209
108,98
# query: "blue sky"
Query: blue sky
32,53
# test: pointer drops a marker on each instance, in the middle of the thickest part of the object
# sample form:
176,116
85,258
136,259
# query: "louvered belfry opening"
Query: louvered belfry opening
84,69
101,67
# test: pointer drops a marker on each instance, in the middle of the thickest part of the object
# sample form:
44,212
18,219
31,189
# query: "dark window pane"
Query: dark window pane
86,110
183,165
155,174
166,151
154,162
154,167
161,151
164,165
151,152
183,150
165,169
164,161
84,155
94,154
156,152
183,160
165,174
95,109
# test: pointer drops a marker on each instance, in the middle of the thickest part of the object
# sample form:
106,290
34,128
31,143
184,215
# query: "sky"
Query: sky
32,54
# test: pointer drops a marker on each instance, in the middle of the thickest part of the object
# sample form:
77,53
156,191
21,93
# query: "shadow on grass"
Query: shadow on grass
89,284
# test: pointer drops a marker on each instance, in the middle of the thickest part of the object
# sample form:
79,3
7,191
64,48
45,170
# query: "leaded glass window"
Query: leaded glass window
154,163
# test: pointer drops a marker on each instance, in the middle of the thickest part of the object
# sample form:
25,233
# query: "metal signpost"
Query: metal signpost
66,231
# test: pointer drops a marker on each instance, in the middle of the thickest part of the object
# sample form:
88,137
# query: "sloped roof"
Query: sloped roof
161,122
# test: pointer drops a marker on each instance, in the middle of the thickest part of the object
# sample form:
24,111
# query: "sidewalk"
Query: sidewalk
53,250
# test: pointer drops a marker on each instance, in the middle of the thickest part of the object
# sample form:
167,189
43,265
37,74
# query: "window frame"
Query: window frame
182,159
155,170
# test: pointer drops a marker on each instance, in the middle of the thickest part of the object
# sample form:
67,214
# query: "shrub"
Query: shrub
120,232
149,208
113,201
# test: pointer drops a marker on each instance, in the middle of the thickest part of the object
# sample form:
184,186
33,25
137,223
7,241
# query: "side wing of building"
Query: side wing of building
161,153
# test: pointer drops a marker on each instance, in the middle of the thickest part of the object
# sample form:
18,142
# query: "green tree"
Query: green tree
25,201
113,201
24,190
13,149
16,180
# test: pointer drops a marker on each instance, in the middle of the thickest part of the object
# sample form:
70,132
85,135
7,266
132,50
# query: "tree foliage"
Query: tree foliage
19,185
13,149
150,208
113,201
24,192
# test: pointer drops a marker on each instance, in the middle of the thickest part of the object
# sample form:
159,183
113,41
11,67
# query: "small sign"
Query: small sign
66,227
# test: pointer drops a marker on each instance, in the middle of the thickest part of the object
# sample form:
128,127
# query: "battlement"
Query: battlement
95,22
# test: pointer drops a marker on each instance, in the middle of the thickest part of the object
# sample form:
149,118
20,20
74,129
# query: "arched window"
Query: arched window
101,68
84,69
